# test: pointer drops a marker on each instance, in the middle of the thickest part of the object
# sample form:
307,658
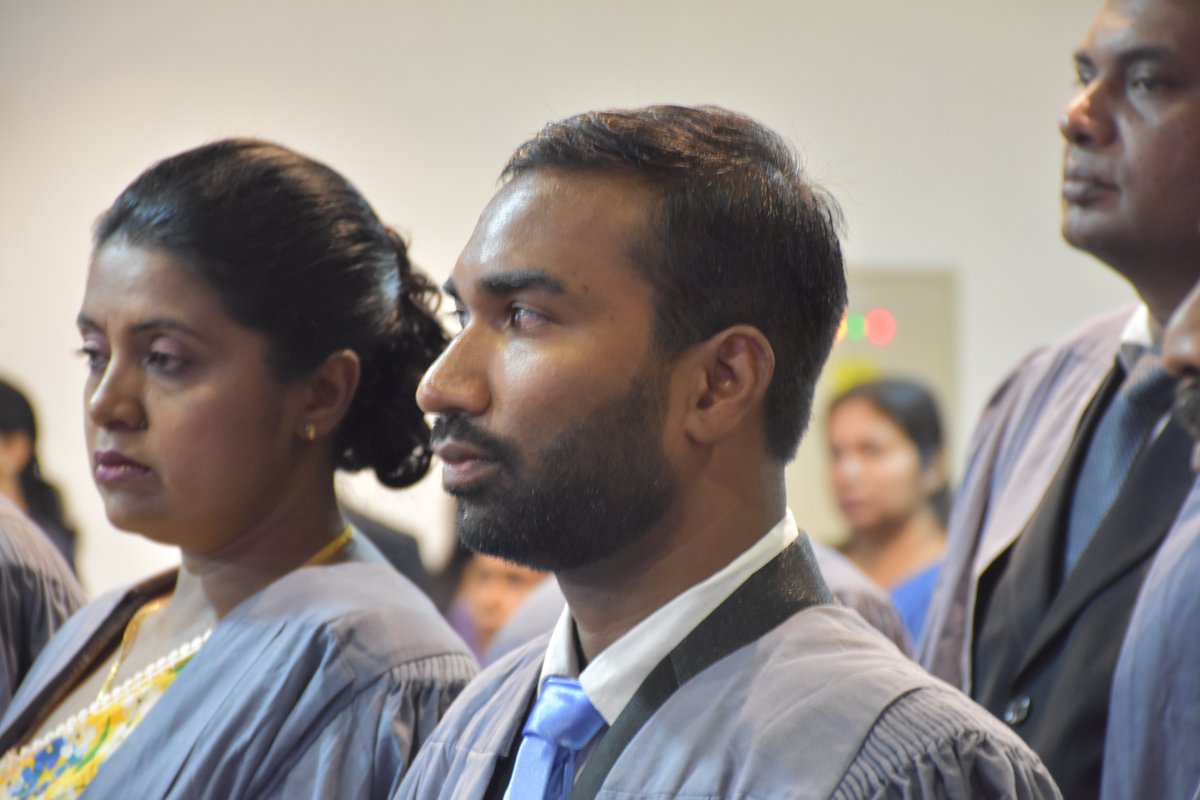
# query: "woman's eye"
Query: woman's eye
95,357
164,362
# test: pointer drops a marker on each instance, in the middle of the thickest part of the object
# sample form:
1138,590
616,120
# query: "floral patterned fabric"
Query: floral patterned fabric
63,765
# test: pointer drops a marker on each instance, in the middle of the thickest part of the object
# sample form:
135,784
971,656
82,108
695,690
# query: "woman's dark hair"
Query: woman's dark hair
911,406
41,497
293,251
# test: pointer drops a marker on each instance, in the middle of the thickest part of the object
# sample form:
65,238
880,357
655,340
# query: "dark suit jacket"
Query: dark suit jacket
1044,653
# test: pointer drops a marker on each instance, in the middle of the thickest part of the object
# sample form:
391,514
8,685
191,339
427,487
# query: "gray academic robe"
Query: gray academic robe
1153,743
38,592
821,706
1022,439
322,685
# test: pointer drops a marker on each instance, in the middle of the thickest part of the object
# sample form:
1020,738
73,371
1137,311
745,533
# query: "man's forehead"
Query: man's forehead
550,220
1144,30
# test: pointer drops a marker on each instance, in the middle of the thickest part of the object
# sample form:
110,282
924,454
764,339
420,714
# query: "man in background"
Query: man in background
1077,474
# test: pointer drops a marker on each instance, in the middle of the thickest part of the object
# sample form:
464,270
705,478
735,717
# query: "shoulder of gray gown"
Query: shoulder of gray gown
822,707
324,684
38,592
853,589
457,761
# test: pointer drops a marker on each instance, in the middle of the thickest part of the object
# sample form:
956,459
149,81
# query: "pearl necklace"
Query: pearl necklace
108,696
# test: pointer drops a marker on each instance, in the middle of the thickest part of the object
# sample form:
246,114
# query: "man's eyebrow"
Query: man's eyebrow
1134,55
1145,53
510,282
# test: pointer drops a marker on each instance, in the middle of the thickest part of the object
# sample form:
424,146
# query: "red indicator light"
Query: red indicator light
881,326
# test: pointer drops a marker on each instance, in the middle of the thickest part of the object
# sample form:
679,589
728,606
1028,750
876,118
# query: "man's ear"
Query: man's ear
329,393
730,375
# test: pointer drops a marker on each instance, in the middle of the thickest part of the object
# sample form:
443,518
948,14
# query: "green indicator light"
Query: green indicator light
856,327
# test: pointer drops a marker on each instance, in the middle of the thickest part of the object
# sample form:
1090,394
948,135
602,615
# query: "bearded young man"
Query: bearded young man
646,304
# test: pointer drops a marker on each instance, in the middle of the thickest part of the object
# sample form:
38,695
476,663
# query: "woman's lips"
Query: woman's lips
113,467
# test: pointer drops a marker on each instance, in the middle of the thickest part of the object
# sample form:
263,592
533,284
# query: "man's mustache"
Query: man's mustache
461,429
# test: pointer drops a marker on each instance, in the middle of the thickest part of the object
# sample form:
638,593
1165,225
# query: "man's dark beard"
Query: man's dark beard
597,488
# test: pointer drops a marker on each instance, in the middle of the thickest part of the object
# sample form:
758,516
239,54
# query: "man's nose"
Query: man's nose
1087,121
457,381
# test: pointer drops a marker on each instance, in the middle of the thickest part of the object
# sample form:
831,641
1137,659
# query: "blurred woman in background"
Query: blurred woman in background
21,476
248,327
489,593
888,473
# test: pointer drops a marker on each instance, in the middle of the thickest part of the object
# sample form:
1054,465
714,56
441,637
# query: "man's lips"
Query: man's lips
114,467
464,464
1082,185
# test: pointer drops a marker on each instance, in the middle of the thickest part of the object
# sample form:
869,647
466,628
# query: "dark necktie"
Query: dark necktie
561,724
1143,398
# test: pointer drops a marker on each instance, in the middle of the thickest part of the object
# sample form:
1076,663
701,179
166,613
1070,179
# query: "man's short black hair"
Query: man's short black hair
740,236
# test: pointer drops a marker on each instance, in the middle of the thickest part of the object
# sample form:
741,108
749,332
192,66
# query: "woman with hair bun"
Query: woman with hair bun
248,327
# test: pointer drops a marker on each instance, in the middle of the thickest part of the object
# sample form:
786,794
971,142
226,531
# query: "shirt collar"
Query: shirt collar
613,676
1136,338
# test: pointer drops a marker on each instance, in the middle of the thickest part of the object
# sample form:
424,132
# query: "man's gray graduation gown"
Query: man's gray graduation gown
821,706
322,685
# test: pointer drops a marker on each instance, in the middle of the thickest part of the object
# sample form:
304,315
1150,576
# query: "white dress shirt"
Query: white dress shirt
613,676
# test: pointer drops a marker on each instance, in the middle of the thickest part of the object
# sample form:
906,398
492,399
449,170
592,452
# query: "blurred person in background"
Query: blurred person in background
888,473
21,477
248,326
490,590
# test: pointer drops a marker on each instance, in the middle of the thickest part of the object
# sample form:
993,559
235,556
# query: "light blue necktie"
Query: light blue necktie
561,724
1143,398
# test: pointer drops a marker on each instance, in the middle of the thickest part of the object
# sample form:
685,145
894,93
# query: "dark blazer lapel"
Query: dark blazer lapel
1035,555
1136,524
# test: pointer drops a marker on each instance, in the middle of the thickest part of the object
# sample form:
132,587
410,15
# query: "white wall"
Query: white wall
933,121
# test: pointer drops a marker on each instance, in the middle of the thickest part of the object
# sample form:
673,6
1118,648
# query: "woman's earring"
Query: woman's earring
309,432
